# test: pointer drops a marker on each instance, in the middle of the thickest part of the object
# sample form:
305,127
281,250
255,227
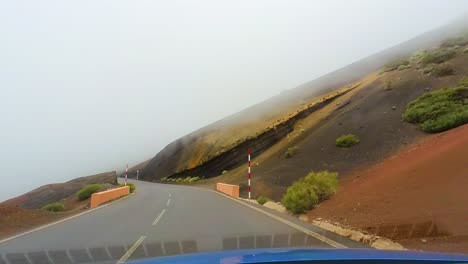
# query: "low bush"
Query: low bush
388,85
291,152
164,179
179,179
262,200
129,184
193,179
465,50
443,69
87,191
417,56
325,183
224,172
451,42
395,65
440,110
54,207
304,194
300,197
347,141
437,56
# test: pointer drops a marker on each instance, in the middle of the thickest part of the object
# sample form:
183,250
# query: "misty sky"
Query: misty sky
87,86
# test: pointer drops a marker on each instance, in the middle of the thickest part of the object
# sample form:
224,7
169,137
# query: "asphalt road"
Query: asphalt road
162,220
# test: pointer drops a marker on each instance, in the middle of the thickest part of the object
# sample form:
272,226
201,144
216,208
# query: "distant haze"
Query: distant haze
87,86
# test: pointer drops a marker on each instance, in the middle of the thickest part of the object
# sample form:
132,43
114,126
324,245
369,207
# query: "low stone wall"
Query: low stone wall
229,189
105,196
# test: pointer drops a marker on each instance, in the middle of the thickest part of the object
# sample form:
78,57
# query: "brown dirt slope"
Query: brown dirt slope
22,213
420,193
207,143
49,193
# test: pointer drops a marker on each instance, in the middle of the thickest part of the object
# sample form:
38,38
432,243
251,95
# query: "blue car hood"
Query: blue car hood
282,255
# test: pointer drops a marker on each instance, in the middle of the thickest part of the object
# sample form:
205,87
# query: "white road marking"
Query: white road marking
159,217
168,202
131,250
63,220
170,195
289,223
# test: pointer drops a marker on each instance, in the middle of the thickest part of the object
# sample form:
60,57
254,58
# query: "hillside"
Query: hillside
349,100
418,193
24,212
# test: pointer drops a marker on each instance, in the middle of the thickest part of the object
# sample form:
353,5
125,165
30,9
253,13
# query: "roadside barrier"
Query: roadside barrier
105,196
229,189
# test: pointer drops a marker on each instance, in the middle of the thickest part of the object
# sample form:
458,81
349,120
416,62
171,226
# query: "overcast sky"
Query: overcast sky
87,86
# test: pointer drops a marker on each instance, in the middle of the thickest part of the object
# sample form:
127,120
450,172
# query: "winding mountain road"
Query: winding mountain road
160,220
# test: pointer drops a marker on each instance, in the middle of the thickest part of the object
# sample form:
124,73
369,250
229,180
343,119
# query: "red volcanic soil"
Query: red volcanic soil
418,197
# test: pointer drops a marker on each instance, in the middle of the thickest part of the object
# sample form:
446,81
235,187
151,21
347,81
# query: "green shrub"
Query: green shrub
404,67
193,179
291,152
395,65
347,141
428,69
443,69
304,194
54,207
262,200
325,183
440,110
179,179
451,42
164,179
87,191
437,56
132,187
129,184
465,50
300,197
224,172
417,56
388,85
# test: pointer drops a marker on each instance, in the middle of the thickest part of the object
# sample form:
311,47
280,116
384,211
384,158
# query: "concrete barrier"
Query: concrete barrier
105,196
229,189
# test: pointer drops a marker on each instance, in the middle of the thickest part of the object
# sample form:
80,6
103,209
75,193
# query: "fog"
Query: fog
87,86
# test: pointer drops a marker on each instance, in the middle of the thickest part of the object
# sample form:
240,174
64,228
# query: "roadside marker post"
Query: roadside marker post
249,170
126,173
138,172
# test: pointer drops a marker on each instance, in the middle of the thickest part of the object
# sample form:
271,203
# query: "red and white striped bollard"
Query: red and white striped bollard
249,172
126,172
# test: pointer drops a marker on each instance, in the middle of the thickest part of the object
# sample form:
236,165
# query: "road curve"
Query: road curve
158,220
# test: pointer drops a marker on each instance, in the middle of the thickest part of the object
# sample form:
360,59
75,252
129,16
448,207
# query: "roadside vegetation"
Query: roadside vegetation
437,56
399,64
188,179
262,200
347,141
452,42
54,207
87,191
306,193
291,152
440,110
443,69
129,184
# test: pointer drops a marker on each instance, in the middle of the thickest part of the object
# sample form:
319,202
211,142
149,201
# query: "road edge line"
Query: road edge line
289,223
131,250
63,220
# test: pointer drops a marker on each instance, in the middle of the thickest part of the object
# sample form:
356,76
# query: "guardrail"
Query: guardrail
105,196
229,189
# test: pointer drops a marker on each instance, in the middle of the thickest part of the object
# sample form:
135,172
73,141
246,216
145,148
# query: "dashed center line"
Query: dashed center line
168,202
131,250
159,217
